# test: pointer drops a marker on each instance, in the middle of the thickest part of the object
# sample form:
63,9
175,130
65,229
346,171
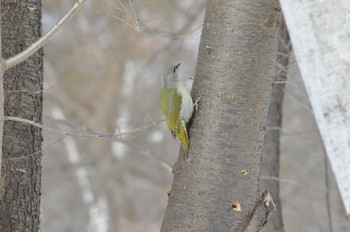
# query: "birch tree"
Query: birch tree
319,34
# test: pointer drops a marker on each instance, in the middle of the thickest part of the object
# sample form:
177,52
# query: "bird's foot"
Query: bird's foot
196,103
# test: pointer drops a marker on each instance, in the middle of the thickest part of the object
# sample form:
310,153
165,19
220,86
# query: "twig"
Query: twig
284,68
116,137
22,56
37,152
137,26
25,54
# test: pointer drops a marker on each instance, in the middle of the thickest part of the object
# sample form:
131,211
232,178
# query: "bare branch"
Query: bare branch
22,56
88,134
37,152
25,54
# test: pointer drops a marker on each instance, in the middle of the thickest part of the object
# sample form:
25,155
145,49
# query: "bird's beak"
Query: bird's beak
177,66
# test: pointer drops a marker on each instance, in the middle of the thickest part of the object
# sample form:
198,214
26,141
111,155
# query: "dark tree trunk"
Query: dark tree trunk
21,165
271,154
338,220
217,187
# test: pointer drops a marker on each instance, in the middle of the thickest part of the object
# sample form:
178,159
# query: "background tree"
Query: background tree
326,77
270,164
21,178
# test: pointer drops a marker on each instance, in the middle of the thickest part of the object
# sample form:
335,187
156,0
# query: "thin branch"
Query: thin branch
136,19
25,54
304,105
116,137
37,152
22,56
131,134
284,68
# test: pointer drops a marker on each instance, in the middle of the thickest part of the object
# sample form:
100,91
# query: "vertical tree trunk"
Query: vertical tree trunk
270,162
21,165
318,31
216,188
338,220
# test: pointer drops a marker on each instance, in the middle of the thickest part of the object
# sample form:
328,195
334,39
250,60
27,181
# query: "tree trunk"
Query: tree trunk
319,32
21,165
338,220
216,187
271,163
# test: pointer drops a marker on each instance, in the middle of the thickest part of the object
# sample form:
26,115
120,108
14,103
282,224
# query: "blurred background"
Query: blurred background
102,76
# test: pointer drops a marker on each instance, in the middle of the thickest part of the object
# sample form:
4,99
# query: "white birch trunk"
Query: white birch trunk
320,34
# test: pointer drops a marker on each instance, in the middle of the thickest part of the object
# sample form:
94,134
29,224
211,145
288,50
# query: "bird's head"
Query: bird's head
170,77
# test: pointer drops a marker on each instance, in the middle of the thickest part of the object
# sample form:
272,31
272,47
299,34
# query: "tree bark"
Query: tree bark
338,220
216,187
21,165
271,152
319,33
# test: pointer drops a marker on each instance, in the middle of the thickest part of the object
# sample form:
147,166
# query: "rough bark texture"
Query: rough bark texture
21,177
271,151
233,78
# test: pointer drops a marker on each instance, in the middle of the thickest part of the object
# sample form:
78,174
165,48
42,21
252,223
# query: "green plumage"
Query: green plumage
173,98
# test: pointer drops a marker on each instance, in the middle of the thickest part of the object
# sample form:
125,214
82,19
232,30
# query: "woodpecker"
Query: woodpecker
176,104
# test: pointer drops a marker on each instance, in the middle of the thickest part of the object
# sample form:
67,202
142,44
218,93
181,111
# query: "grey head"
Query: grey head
170,77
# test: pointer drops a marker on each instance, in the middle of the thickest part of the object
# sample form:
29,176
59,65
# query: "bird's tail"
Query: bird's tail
182,136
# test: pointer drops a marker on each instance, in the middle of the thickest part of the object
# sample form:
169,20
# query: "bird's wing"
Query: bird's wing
173,111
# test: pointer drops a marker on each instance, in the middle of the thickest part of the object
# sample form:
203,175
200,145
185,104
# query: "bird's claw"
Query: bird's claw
196,103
